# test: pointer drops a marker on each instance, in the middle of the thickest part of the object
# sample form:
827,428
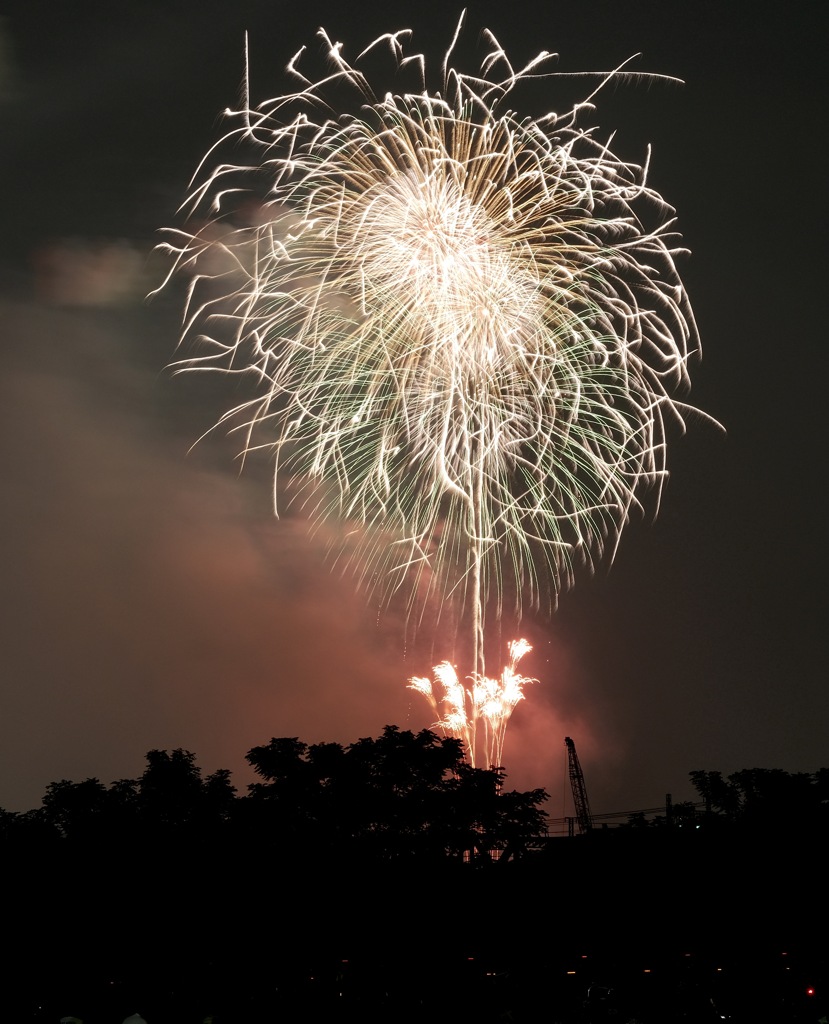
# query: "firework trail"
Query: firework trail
465,328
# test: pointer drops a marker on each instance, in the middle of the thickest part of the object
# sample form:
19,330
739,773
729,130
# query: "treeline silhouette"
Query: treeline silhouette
751,800
765,797
389,880
401,797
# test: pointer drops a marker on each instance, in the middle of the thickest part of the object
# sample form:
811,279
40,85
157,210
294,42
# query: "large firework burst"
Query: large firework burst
466,326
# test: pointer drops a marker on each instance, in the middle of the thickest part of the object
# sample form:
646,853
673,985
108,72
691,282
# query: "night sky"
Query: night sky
149,597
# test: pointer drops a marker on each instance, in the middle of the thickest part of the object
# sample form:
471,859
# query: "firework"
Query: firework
486,701
465,328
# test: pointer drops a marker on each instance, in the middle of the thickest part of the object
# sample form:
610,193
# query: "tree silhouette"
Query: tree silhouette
173,797
403,795
762,797
718,794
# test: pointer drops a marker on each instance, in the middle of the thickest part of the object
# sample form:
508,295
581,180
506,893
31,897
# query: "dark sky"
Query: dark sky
149,598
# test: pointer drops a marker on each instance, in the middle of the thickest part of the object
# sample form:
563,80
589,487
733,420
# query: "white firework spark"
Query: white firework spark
487,702
466,327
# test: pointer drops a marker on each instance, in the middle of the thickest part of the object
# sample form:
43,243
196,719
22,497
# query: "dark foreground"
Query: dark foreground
764,986
583,932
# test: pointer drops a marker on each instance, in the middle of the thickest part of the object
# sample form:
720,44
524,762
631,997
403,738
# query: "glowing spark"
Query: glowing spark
490,701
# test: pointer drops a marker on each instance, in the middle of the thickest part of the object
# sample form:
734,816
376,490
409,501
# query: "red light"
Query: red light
810,991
